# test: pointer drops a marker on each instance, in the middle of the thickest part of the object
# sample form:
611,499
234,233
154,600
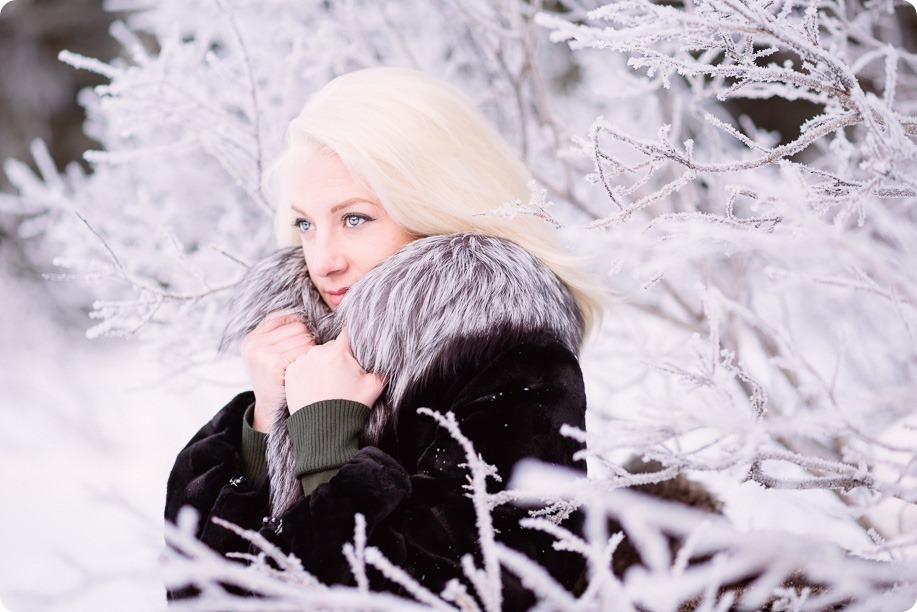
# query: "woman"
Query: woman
402,294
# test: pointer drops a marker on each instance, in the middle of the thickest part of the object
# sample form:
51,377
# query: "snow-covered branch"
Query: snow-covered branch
741,174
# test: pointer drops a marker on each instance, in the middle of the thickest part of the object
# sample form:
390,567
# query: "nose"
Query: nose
325,257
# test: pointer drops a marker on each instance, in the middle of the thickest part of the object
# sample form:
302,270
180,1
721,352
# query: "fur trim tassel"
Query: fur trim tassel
437,304
277,282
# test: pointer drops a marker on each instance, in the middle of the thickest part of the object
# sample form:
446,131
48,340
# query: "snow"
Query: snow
90,433
764,331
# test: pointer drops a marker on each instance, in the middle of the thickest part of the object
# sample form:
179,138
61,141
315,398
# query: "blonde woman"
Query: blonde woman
394,291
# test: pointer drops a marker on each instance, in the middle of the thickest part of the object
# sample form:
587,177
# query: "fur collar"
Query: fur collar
435,306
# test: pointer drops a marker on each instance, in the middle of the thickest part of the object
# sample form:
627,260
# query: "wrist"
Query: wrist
254,447
325,434
261,418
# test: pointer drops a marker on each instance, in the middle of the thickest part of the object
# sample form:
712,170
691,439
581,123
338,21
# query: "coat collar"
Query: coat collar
439,306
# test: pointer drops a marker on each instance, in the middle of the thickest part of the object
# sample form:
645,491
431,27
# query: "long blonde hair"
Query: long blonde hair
433,160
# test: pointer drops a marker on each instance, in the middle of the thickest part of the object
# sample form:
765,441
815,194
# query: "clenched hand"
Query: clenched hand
329,371
268,350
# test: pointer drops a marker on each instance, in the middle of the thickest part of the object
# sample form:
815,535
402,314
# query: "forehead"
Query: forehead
320,182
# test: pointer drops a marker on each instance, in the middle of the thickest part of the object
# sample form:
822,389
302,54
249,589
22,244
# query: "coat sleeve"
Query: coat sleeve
209,476
416,507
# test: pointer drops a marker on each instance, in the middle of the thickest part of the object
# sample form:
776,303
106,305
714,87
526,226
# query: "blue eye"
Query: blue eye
354,220
302,225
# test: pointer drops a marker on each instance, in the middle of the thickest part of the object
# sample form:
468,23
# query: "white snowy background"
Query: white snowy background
90,432
764,341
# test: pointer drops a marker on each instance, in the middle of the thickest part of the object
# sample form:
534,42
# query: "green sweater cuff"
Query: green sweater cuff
254,447
325,435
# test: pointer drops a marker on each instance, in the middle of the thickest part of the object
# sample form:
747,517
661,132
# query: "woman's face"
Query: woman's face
344,230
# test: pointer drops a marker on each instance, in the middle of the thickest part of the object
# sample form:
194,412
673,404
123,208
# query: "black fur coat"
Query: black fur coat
462,323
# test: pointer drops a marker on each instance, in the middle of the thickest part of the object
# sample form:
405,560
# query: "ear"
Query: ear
279,281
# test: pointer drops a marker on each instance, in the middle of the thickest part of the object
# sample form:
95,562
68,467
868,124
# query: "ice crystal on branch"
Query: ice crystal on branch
765,339
793,241
701,559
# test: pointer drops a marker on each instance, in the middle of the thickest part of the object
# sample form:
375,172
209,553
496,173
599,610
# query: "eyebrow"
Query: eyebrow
340,205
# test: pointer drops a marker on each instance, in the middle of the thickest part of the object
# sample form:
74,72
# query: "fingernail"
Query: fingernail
281,313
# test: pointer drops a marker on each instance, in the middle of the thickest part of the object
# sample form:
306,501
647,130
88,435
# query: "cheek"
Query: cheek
372,255
398,238
308,267
391,246
302,250
375,248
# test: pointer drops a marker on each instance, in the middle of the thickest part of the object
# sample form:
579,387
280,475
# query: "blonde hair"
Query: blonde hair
431,158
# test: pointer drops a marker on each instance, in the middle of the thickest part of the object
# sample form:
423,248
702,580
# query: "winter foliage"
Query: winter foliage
764,333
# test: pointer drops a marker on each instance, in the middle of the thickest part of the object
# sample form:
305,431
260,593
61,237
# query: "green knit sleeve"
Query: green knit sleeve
254,447
325,436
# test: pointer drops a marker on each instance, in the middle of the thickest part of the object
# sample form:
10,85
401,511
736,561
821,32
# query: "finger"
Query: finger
377,381
287,331
292,344
373,386
344,341
280,327
278,318
295,353
345,351
281,313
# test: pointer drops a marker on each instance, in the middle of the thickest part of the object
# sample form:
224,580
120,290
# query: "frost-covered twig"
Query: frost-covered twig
356,553
289,588
486,581
534,577
400,577
718,554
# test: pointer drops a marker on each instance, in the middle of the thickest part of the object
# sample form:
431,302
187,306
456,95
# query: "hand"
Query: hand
327,372
267,352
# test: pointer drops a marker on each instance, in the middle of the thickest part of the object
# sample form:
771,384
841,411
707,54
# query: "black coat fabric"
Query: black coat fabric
410,485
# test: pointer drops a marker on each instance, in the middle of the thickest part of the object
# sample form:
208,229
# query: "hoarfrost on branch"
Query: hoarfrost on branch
765,325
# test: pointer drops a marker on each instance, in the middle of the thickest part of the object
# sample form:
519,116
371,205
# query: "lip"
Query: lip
334,297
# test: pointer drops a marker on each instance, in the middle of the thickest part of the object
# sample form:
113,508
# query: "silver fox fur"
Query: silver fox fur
435,304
